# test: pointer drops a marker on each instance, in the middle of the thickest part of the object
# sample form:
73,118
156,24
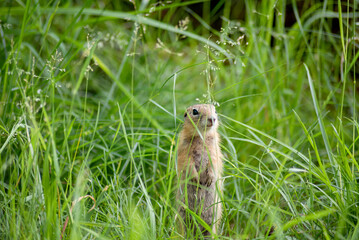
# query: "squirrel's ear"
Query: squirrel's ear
185,115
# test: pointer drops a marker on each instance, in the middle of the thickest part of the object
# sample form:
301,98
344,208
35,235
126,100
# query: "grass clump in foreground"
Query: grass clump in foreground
92,96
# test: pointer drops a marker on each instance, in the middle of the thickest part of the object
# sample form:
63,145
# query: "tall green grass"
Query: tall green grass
92,98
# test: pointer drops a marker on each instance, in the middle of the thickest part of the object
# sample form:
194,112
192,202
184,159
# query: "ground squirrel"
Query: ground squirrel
199,167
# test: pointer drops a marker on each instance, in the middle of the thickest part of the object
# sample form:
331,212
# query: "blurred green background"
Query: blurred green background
93,95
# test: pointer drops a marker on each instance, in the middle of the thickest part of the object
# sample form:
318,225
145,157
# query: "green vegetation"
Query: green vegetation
92,99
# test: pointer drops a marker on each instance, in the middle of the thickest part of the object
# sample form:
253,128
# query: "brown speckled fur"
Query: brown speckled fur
199,166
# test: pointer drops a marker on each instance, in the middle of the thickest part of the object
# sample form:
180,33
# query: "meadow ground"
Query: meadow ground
93,95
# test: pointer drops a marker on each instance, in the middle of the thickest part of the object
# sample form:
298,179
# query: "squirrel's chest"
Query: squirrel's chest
200,158
201,154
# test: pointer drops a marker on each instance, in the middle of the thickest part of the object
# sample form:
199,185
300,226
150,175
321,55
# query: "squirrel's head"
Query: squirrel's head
201,116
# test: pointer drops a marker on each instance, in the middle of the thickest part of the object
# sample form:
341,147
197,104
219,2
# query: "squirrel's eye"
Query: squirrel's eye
195,112
185,115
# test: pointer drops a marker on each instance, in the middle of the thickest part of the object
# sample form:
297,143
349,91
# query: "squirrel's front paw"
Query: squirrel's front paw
208,182
195,179
208,179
